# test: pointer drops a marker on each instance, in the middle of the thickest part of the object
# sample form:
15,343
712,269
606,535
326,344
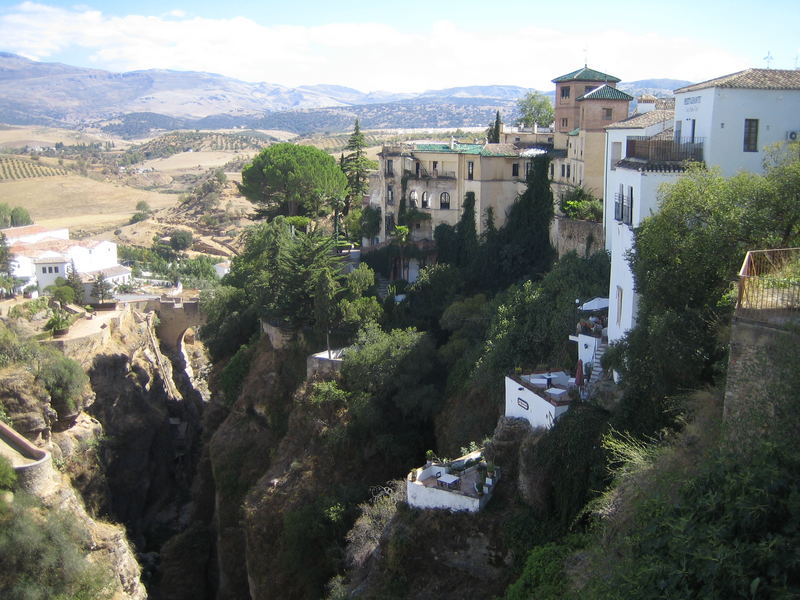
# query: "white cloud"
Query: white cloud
367,56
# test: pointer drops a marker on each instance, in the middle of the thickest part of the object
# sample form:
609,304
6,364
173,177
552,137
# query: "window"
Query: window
425,200
528,167
565,92
49,269
616,153
516,139
390,195
563,170
552,170
619,306
55,269
416,167
751,135
44,269
607,114
390,167
444,201
691,130
515,170
412,199
589,88
389,223
568,170
564,122
470,170
435,167
678,126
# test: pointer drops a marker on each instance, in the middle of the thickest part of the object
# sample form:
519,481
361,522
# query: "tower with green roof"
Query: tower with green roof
570,88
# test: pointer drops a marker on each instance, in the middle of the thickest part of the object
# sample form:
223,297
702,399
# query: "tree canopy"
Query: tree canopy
535,108
289,179
356,167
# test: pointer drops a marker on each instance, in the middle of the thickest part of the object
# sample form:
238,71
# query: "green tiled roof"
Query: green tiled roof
475,149
457,148
575,131
586,74
606,92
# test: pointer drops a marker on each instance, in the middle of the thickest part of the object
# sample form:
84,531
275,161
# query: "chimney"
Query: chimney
452,142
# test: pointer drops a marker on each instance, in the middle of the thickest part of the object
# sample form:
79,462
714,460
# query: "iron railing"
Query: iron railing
769,285
653,150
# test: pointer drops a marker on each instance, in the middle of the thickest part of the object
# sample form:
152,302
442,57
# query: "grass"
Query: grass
78,202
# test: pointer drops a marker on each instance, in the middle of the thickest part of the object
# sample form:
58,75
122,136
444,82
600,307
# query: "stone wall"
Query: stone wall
584,237
320,365
750,366
36,473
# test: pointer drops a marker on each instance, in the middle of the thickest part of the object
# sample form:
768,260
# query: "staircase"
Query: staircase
597,367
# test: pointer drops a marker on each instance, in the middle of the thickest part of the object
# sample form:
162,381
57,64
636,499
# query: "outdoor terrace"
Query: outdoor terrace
462,484
657,150
769,286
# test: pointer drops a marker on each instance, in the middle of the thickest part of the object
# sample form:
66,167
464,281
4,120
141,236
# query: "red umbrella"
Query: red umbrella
579,373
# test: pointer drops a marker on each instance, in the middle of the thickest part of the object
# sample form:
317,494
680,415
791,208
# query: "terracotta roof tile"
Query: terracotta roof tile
757,79
644,120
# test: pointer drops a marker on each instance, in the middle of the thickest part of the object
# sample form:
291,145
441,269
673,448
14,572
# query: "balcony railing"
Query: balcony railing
653,150
769,286
623,211
423,173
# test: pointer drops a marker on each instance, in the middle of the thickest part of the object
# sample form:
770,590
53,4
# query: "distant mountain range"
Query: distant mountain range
136,102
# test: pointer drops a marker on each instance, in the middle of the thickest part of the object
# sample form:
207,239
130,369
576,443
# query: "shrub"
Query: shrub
138,217
233,374
42,556
64,379
7,474
180,239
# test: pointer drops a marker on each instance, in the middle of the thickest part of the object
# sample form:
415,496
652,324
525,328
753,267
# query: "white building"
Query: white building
40,256
725,122
539,398
465,484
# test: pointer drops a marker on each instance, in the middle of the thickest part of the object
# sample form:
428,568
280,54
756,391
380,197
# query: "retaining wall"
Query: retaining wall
584,237
32,477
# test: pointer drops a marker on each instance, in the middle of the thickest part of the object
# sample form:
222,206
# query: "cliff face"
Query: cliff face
130,454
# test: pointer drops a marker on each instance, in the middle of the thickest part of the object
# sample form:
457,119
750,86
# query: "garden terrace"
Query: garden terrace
769,286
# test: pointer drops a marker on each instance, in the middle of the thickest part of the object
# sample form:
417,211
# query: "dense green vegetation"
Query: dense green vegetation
42,556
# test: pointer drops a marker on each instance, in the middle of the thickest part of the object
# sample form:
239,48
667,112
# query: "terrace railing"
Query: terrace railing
769,285
653,150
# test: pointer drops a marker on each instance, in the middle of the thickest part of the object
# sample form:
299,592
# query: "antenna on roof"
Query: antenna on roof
768,58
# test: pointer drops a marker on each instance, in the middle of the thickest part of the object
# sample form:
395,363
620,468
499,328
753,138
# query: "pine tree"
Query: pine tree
356,167
495,137
101,288
74,281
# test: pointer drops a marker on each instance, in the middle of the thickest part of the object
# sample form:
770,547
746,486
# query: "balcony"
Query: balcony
769,286
423,173
623,211
664,150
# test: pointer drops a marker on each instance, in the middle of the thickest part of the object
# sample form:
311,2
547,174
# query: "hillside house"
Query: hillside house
465,484
725,122
540,397
40,256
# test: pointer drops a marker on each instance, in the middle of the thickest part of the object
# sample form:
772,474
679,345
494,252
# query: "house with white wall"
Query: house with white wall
465,484
540,398
726,122
38,258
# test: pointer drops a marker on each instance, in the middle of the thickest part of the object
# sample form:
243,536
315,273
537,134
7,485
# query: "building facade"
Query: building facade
726,123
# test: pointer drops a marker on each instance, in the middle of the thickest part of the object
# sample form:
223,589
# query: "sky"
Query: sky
409,46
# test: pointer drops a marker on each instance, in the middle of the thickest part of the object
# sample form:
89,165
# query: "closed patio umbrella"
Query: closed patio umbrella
579,373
